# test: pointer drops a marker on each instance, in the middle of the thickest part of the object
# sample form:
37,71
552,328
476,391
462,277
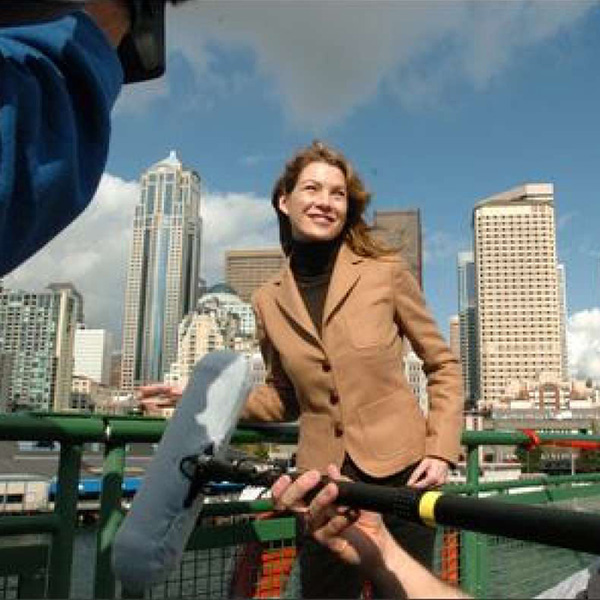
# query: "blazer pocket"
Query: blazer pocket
368,330
392,425
314,438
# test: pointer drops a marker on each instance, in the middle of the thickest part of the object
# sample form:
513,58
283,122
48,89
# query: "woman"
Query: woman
331,328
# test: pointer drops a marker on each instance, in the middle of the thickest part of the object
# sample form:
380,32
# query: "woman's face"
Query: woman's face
318,204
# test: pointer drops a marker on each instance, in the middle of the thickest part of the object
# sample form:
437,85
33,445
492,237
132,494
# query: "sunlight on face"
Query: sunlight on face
318,204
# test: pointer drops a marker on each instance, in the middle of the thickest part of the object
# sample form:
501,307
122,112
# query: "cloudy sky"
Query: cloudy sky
438,104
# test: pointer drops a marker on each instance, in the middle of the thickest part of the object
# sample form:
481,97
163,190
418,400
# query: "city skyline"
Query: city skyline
445,105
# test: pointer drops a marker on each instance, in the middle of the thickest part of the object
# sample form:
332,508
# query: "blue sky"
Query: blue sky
438,105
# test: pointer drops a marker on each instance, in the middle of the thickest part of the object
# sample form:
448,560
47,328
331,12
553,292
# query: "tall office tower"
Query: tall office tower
517,292
562,299
162,279
93,349
467,315
402,229
37,332
247,270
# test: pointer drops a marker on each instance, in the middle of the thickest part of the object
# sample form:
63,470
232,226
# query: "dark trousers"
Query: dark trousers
323,575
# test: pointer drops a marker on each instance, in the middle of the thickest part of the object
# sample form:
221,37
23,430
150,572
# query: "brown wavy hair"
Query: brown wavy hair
356,231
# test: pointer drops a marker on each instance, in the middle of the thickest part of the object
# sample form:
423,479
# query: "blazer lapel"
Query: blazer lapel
291,303
343,279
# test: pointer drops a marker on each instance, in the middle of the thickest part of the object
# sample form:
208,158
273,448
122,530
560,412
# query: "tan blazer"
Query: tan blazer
347,386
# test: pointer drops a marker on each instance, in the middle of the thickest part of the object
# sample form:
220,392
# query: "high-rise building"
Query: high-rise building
402,229
162,279
93,349
454,339
37,332
247,270
517,290
467,315
562,299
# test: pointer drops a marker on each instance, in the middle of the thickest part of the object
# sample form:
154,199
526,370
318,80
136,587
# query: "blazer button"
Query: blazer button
338,430
333,398
326,366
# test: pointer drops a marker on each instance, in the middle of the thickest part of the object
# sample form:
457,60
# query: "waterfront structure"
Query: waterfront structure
518,306
37,332
468,333
247,270
92,354
162,279
401,229
549,395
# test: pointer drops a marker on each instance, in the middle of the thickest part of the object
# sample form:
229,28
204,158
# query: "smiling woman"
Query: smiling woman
332,326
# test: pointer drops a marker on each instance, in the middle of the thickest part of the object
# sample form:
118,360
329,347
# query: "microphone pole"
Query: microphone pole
577,531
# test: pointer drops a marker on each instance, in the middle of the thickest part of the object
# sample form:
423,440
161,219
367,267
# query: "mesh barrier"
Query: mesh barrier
237,567
9,587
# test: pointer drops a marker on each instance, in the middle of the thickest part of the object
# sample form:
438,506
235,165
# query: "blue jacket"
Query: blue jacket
58,83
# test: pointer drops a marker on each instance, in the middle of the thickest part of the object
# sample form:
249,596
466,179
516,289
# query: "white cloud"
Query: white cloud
326,59
584,344
234,221
92,253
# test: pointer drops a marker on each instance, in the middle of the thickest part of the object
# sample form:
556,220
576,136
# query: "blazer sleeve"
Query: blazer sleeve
275,400
442,368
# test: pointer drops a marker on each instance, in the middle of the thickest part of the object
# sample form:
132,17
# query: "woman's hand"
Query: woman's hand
431,472
357,537
154,397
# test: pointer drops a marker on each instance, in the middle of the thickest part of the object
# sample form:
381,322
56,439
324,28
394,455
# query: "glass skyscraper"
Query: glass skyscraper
467,315
162,280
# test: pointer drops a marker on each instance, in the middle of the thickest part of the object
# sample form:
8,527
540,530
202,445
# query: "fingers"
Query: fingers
290,496
417,474
430,472
159,389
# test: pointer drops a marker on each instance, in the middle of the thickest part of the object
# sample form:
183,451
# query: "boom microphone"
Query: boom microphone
555,527
152,537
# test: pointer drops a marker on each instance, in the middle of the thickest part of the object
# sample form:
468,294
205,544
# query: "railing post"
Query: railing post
61,555
110,518
471,551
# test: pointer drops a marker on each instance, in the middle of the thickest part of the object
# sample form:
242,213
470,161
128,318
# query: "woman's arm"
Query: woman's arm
442,368
275,400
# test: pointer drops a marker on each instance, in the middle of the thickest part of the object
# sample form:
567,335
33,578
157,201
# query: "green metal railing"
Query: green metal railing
36,551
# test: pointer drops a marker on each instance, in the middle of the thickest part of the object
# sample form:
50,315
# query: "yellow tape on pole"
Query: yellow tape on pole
427,507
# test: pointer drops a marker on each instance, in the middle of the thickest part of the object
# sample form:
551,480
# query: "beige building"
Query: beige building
517,288
455,335
210,328
401,229
246,270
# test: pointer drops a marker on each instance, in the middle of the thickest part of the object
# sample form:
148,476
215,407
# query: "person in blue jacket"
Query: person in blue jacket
59,80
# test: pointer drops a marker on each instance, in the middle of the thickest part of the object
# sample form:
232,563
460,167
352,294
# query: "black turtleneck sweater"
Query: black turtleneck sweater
312,265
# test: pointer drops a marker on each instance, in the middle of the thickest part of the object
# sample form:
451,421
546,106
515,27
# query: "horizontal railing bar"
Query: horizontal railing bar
490,486
94,428
23,524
